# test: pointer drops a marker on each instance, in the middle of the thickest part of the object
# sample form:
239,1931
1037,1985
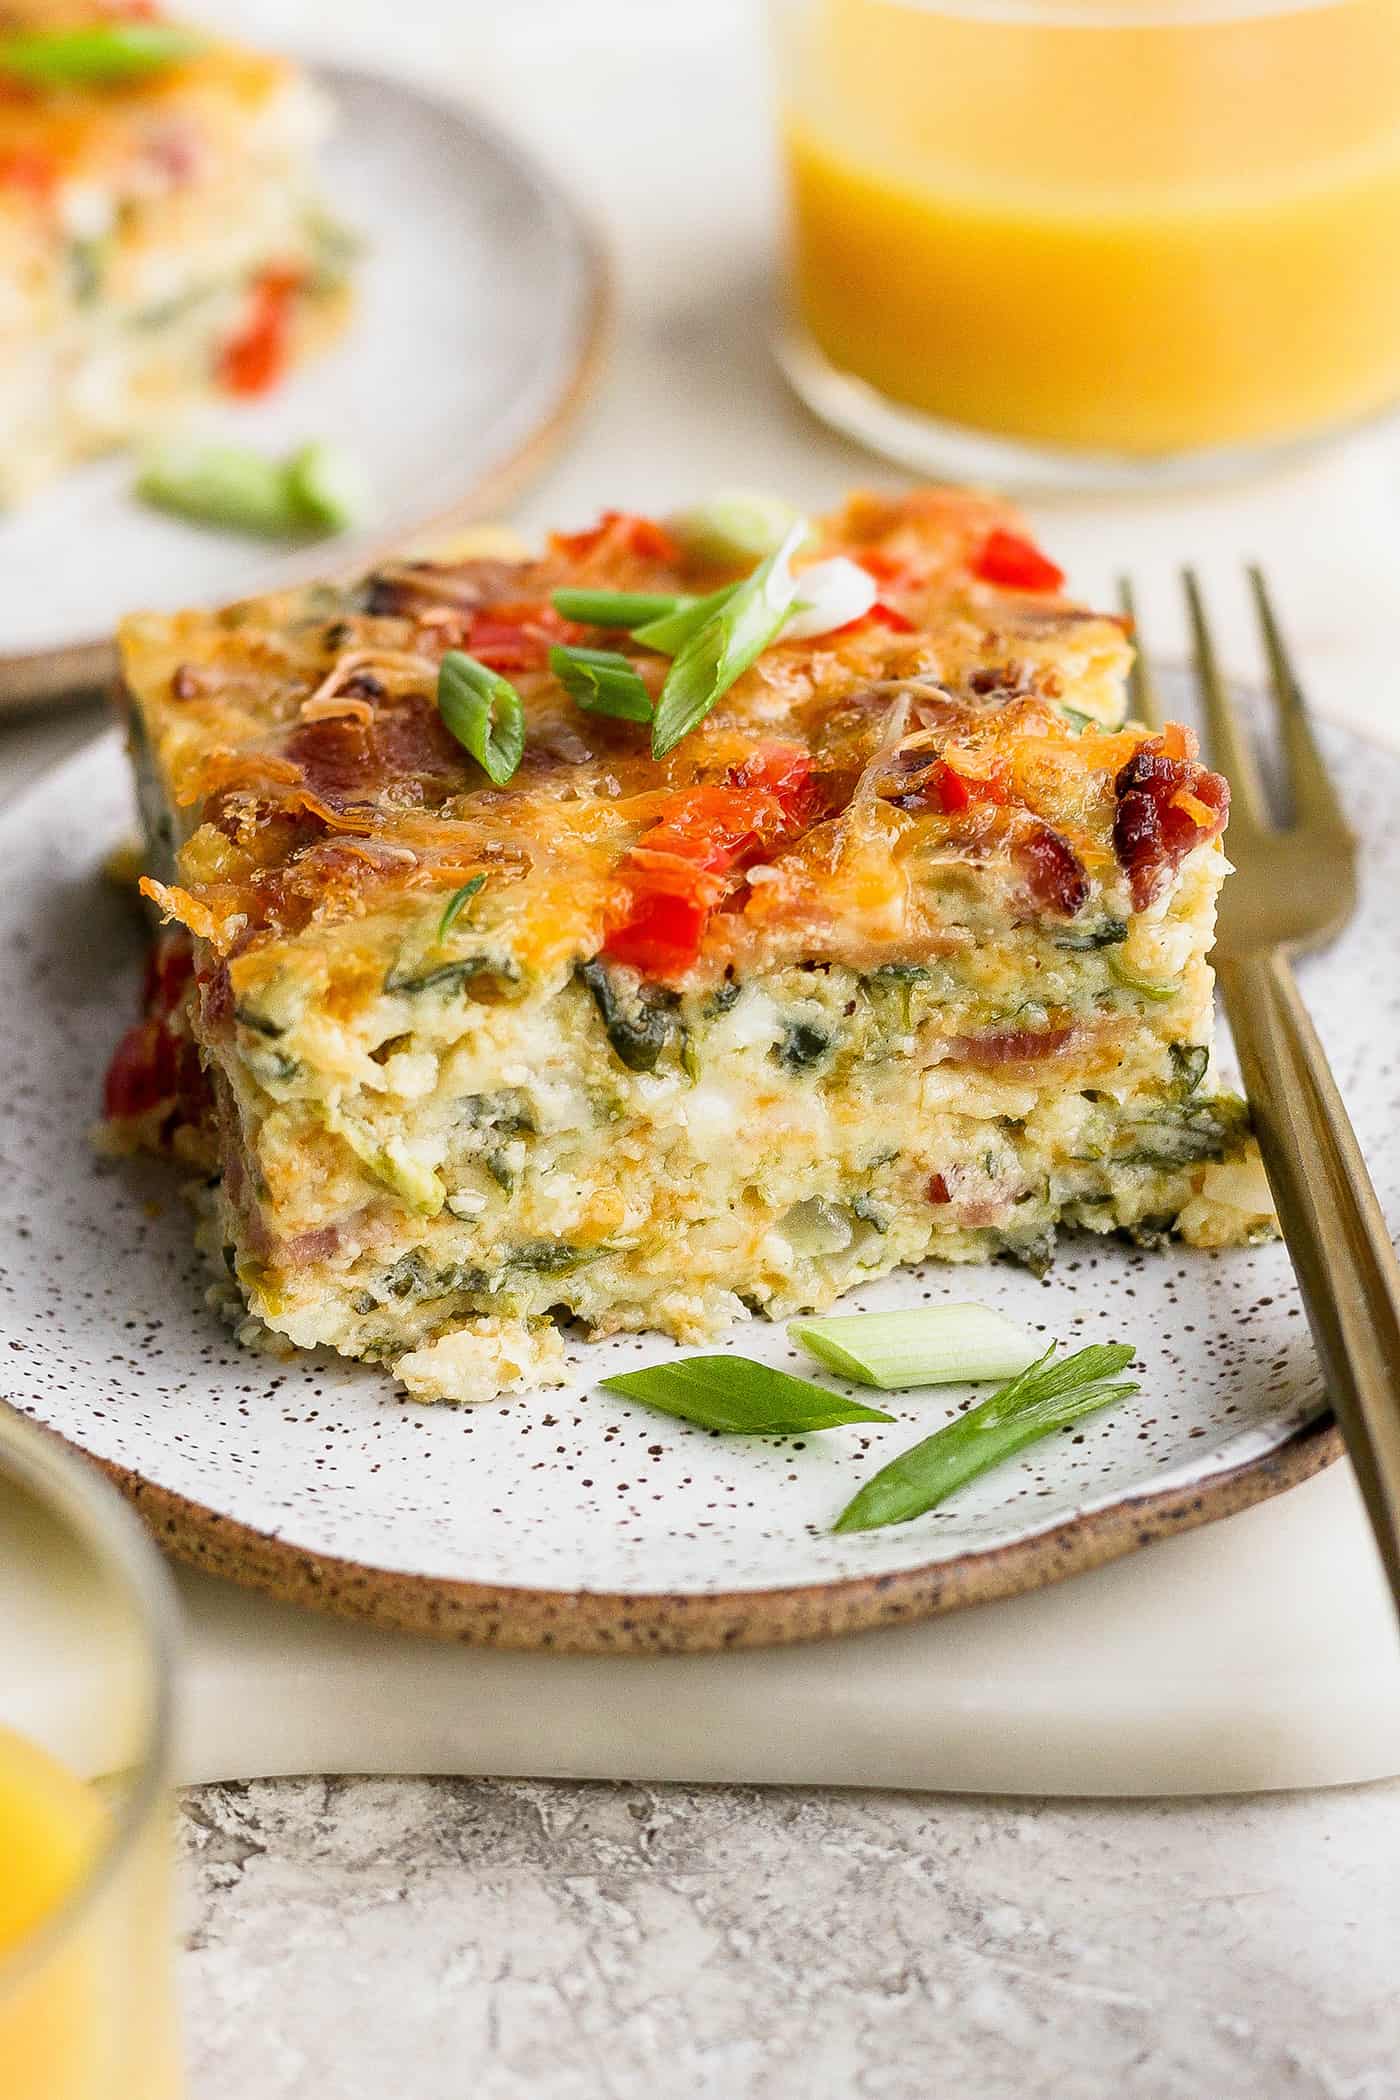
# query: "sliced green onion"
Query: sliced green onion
226,485
734,1393
616,608
1189,1063
102,54
737,525
1047,1396
669,635
319,489
484,712
725,646
329,486
602,682
834,593
931,1345
1145,987
457,904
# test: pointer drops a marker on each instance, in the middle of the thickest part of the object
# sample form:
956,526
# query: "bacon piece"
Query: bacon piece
1167,805
405,745
1010,1046
1054,873
151,1071
169,968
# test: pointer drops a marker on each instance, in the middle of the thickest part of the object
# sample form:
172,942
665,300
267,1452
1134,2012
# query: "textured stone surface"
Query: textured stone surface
430,1940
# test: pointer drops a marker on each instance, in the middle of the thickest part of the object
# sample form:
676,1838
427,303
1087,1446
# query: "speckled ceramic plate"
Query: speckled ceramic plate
480,309
571,1519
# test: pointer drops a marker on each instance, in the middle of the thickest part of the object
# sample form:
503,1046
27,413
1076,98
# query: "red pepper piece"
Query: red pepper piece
662,937
1015,564
675,870
623,532
254,359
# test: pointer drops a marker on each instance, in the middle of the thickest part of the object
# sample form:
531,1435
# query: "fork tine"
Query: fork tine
1225,742
1314,797
1144,704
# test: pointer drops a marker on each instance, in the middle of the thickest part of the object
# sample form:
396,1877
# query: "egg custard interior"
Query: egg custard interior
901,952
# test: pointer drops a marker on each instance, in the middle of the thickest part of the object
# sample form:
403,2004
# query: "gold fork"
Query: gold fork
1294,888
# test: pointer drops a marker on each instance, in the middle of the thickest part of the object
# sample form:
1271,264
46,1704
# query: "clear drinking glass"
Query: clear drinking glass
1091,241
87,1630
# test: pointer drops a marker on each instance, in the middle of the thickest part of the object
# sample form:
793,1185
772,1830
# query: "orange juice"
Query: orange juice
84,2009
1132,228
51,1829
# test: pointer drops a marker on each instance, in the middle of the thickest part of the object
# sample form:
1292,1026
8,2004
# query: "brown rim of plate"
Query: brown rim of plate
31,679
601,1622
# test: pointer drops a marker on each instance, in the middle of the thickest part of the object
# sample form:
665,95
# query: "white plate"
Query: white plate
477,320
312,1478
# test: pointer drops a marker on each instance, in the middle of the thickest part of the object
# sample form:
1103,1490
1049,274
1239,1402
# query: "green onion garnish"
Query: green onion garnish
738,525
1046,1396
1133,981
733,1393
725,646
320,489
669,635
602,682
615,608
456,905
226,485
932,1345
329,486
484,712
102,54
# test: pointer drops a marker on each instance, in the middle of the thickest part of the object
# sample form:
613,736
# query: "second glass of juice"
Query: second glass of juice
87,2003
1095,240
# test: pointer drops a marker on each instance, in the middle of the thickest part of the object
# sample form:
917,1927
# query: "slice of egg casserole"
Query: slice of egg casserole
899,950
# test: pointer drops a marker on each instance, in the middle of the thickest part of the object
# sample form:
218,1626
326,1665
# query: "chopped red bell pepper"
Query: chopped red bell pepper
783,771
510,638
1015,564
879,615
253,360
662,937
947,789
624,532
675,870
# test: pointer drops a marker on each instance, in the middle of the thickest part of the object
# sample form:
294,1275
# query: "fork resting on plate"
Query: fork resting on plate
1295,888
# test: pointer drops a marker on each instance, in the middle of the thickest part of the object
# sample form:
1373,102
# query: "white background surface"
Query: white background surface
574,1942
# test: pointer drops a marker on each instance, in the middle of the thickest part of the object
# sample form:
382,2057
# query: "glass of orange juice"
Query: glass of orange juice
87,2005
1092,241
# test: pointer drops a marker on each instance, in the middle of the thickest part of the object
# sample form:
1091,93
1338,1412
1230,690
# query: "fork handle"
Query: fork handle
1331,1219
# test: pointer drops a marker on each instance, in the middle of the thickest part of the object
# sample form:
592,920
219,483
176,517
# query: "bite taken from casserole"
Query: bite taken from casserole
160,240
657,931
